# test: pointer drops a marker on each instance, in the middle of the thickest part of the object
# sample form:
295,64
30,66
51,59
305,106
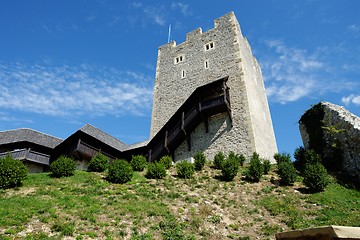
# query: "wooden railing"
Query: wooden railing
206,101
28,155
89,150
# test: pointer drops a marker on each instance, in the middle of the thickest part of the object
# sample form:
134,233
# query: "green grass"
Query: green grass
86,206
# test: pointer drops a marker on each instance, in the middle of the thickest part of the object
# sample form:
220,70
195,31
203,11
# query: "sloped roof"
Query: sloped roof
29,135
103,137
138,145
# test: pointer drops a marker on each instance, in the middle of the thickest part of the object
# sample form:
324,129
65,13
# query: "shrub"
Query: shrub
199,161
185,169
138,163
282,157
287,173
98,163
219,160
239,158
267,166
12,172
304,157
316,177
156,170
120,171
230,168
167,161
256,169
63,167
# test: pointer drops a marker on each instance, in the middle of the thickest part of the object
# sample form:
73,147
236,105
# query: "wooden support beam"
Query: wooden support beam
188,140
149,155
166,141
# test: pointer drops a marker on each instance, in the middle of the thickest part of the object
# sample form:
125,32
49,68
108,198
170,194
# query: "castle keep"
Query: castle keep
209,96
204,57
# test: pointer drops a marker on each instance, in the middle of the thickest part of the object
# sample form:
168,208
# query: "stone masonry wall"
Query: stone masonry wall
228,54
346,137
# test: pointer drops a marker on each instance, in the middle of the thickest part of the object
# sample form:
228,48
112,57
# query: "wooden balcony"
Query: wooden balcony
205,101
28,155
86,151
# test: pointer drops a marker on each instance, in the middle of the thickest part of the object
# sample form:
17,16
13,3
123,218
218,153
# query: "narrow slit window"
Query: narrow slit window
209,46
206,64
183,74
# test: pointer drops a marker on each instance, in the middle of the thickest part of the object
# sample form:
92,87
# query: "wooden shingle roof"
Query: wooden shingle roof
103,137
29,135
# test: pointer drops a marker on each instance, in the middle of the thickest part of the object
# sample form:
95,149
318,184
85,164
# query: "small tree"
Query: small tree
305,157
239,158
167,161
219,160
230,168
98,163
63,167
12,172
256,169
155,170
267,166
120,171
287,173
282,157
199,161
138,163
316,177
185,169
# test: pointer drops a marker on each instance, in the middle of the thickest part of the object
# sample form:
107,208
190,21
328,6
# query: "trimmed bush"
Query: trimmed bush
256,169
287,173
230,168
12,172
156,170
63,167
98,163
167,161
267,166
219,160
185,169
316,177
120,171
138,163
199,161
282,157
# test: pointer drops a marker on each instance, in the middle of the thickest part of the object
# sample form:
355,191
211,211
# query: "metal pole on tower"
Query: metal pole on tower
169,33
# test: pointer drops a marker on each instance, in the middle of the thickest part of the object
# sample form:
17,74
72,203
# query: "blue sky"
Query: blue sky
67,63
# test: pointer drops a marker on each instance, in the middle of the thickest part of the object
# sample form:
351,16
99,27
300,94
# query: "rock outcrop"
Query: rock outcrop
334,133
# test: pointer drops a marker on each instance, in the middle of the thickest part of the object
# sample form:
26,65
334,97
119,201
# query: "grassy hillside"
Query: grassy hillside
86,206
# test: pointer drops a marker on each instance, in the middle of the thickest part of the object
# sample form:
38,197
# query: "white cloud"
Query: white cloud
293,73
68,91
354,99
184,8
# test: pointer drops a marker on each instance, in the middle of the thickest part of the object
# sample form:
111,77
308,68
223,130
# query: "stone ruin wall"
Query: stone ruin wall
231,56
348,137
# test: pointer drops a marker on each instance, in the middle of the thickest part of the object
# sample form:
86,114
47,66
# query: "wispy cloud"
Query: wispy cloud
293,73
184,8
354,99
71,91
354,28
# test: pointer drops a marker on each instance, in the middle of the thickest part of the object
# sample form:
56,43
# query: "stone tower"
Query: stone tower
204,57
